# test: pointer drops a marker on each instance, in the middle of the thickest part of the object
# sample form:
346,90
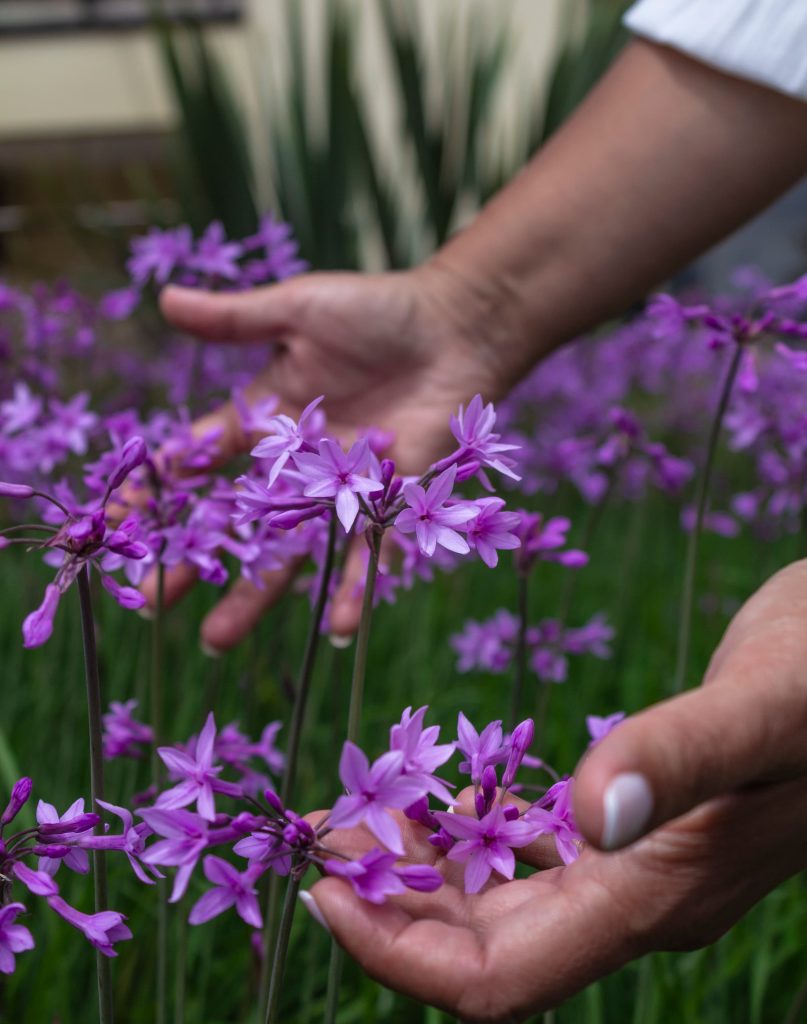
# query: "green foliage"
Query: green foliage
332,183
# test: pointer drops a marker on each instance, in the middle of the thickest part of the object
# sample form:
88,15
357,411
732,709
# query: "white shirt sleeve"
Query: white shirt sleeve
761,40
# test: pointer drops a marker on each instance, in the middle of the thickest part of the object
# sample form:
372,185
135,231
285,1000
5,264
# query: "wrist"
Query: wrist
485,313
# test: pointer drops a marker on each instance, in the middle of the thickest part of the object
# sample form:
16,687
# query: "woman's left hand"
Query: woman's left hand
706,794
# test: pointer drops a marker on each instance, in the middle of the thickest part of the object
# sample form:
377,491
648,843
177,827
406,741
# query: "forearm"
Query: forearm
664,158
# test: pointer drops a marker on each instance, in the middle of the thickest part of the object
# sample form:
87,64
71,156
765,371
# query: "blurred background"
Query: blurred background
375,127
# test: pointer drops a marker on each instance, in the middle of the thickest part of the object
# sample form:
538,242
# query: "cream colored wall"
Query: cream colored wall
93,83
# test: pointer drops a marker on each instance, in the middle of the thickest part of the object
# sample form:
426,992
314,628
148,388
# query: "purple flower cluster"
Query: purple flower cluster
174,256
53,840
490,646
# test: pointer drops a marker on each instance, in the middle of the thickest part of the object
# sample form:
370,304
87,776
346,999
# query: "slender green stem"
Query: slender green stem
105,1007
353,734
307,670
593,520
517,694
281,949
363,642
688,592
181,966
301,694
794,1014
156,715
335,965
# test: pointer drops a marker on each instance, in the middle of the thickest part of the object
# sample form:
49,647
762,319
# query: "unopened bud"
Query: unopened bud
15,490
19,797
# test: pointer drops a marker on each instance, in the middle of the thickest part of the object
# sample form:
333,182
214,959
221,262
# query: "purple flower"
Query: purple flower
20,793
123,735
286,437
519,744
486,845
198,774
371,790
21,411
185,840
132,841
492,529
473,429
232,888
480,749
214,255
486,645
14,938
71,422
76,859
554,815
333,474
39,883
132,455
38,625
267,849
103,930
120,304
158,253
599,728
431,520
422,756
374,876
542,539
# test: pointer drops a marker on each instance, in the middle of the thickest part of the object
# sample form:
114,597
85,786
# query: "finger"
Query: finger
237,613
417,957
745,726
346,603
506,965
177,583
259,314
347,600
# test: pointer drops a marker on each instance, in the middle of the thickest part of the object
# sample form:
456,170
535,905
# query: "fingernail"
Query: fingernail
312,907
627,806
210,652
146,613
340,642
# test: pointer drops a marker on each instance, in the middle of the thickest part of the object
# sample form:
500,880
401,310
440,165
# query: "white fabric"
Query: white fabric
761,40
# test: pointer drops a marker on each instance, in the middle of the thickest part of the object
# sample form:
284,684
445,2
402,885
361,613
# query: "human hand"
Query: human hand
722,822
397,351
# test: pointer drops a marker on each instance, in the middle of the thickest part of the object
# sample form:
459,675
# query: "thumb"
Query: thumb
261,314
745,726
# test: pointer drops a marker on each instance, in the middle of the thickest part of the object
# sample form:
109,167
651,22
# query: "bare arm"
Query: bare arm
663,159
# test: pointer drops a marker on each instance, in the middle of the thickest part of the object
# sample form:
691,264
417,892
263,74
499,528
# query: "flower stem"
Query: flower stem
363,642
284,933
156,709
520,676
105,1008
180,967
295,732
307,669
334,982
688,592
353,734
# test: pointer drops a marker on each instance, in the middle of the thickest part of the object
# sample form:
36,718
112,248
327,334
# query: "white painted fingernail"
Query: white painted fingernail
210,652
312,907
340,642
146,613
627,806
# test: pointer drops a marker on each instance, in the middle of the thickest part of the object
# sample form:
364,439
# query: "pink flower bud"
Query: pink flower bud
15,490
133,454
38,626
19,797
519,744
